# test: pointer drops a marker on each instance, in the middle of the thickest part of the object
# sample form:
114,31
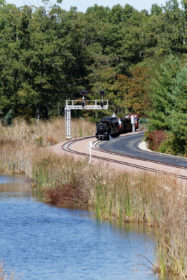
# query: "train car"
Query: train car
106,127
113,126
126,125
136,119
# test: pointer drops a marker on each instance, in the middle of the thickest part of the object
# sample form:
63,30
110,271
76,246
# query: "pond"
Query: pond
39,242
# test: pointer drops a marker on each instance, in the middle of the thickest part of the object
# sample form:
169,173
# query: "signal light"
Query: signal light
102,92
83,92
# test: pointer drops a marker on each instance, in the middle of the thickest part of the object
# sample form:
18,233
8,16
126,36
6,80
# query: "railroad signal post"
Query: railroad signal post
82,105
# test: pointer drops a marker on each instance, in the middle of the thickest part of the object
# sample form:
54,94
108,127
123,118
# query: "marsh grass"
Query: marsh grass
46,133
152,200
21,143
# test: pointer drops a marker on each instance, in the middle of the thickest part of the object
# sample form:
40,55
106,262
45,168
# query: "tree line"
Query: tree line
48,55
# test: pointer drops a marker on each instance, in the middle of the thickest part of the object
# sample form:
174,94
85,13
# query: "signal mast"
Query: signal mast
82,105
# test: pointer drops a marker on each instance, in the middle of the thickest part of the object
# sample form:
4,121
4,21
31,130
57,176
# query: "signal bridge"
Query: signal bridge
81,105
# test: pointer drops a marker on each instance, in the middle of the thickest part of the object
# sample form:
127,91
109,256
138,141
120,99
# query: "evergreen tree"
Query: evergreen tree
169,102
179,113
162,90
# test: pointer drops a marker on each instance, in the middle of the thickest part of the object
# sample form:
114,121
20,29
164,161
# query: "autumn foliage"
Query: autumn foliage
132,91
156,138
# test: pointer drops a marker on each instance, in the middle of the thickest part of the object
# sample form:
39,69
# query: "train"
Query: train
113,126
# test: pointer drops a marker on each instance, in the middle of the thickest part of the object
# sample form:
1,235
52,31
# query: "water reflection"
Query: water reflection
8,179
43,242
14,186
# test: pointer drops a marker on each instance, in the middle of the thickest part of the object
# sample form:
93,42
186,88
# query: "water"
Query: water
40,242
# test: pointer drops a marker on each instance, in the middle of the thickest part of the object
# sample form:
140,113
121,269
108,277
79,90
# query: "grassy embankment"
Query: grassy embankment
118,197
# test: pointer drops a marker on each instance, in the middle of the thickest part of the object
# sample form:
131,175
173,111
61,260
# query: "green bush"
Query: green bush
166,146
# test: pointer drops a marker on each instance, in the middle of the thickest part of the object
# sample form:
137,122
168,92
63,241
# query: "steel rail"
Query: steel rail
132,157
66,147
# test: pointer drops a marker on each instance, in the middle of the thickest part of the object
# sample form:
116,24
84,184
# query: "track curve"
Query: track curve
128,145
81,147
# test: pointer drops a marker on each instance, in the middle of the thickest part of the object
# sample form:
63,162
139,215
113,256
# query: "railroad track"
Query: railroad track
67,147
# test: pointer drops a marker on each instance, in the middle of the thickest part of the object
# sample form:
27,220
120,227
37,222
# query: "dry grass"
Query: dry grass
46,133
21,143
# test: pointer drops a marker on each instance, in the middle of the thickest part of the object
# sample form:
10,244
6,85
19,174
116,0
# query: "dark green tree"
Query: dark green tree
48,54
169,101
156,10
179,114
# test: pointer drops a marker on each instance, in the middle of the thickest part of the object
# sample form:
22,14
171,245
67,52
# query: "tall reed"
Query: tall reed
20,143
45,133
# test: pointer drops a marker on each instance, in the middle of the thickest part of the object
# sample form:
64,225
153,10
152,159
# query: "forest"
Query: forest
139,58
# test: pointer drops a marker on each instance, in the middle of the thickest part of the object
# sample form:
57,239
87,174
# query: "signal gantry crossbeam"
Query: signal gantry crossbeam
81,105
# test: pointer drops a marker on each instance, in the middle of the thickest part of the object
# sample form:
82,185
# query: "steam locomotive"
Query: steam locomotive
113,126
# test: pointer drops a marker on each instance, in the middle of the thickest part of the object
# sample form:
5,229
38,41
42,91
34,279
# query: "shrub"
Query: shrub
155,139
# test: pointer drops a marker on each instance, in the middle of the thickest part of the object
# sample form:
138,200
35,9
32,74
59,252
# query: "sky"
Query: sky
82,5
